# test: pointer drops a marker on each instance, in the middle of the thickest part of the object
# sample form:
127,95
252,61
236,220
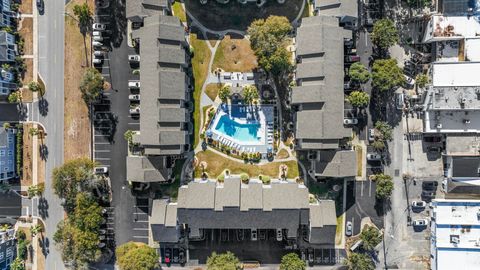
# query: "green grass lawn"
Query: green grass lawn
216,164
234,54
179,12
339,230
212,90
200,60
358,150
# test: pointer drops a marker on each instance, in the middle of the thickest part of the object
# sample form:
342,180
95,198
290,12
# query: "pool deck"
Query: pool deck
244,114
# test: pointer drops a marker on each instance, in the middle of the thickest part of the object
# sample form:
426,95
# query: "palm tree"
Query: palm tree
224,93
250,93
84,16
33,86
33,131
35,229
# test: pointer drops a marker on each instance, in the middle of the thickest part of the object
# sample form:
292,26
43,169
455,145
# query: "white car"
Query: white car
134,84
96,61
371,135
97,38
98,53
373,156
419,204
102,3
96,34
349,228
410,82
134,58
135,110
279,235
101,170
254,235
134,97
99,27
97,43
350,121
420,222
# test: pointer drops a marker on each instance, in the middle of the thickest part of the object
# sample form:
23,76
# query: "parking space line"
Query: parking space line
101,151
103,143
140,229
102,158
131,123
145,237
141,221
139,213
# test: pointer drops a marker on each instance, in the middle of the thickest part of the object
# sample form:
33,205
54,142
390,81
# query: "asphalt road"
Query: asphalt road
110,149
51,69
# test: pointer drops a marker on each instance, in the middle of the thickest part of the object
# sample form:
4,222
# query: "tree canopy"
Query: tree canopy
224,93
370,237
268,41
250,93
223,261
69,178
91,84
359,261
386,131
358,73
384,33
358,98
384,186
84,16
422,80
291,261
386,74
17,264
136,256
15,97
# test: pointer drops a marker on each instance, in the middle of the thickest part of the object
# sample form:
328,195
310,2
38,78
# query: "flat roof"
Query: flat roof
454,121
451,27
456,98
456,74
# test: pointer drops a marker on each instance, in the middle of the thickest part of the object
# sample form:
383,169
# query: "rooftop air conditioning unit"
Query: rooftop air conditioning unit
439,125
466,121
454,239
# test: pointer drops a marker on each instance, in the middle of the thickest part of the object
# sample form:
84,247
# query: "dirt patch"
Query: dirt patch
282,154
212,90
28,75
76,120
25,30
27,95
234,54
216,164
25,7
26,179
234,15
39,255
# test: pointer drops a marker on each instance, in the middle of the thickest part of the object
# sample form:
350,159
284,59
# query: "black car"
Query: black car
427,194
175,255
430,186
168,255
40,6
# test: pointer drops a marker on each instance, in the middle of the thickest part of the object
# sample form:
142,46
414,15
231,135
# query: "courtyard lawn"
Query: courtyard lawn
339,230
205,116
179,12
216,164
234,54
212,90
358,150
235,15
200,61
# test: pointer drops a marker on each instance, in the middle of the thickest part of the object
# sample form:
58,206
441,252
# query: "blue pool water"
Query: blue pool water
241,132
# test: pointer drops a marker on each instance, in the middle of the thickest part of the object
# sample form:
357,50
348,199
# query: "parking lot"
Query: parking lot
140,218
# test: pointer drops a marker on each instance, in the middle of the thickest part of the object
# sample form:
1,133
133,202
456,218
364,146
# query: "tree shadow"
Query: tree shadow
117,22
43,149
43,207
43,107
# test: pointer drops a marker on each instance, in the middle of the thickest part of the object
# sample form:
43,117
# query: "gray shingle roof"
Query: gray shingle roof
323,214
227,195
146,169
197,196
251,197
138,9
162,83
320,76
163,220
337,8
335,163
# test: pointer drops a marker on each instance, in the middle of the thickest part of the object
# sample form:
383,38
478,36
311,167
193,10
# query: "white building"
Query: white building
455,235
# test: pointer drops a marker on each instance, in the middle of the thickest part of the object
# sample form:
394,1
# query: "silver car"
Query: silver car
349,228
350,121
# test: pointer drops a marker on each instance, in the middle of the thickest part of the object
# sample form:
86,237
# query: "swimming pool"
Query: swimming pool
245,133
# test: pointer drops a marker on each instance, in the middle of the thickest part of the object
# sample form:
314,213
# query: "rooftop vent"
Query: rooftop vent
454,239
439,125
466,121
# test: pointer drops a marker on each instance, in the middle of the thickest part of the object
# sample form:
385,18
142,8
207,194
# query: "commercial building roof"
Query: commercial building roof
337,8
462,145
465,166
456,74
451,27
136,10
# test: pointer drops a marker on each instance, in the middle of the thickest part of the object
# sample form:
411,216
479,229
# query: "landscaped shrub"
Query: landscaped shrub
221,178
265,179
244,177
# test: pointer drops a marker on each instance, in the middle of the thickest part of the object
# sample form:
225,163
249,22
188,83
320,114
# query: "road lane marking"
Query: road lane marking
144,237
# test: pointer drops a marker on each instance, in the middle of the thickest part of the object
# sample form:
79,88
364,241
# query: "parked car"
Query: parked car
101,170
97,38
434,149
348,43
134,58
399,101
98,53
134,84
96,61
373,157
310,255
181,256
350,121
134,97
279,235
97,43
168,255
40,7
352,58
409,81
175,255
253,235
371,135
349,228
429,185
420,222
99,27
428,195
135,110
419,204
96,34
102,3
